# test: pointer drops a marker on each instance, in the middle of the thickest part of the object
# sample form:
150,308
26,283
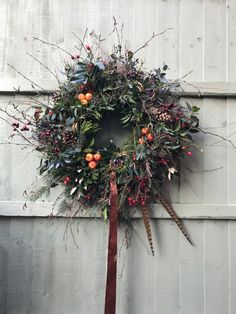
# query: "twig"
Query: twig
25,138
150,39
219,136
25,77
50,71
81,41
17,144
53,45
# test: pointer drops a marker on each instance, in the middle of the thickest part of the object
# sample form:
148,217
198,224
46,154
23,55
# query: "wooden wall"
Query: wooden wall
41,269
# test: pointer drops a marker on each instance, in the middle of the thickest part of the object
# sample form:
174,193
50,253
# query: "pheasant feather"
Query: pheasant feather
174,216
147,225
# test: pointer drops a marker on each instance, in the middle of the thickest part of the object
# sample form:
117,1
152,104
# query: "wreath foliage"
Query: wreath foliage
147,105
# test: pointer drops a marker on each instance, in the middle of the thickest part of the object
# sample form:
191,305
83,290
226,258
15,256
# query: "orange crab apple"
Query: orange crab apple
88,96
84,102
97,157
144,131
89,157
150,137
92,164
81,96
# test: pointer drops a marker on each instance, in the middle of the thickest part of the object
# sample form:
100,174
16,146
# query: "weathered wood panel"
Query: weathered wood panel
41,273
202,38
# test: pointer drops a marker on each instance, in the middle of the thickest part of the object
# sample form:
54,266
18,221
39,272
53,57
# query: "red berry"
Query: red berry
190,154
88,47
25,128
150,137
66,180
15,124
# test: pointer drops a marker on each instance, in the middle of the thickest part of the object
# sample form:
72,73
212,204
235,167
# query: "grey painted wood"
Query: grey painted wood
41,273
202,38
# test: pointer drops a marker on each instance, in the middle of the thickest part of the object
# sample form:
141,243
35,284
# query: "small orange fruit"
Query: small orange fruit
84,102
97,157
92,164
89,157
144,131
88,96
141,141
150,137
81,96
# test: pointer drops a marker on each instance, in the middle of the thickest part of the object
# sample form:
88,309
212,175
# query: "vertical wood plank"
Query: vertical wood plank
216,267
214,40
192,270
4,262
215,169
191,39
231,43
20,266
143,274
192,168
232,265
231,109
168,44
168,268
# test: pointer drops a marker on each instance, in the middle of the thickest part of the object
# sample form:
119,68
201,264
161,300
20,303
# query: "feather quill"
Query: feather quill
174,216
147,225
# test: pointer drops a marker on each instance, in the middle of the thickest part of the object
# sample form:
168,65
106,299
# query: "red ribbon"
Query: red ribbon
110,301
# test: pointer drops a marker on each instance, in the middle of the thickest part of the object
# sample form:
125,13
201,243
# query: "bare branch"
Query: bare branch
50,71
150,39
25,77
53,45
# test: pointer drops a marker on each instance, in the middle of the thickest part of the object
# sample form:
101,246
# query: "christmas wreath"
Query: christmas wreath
68,131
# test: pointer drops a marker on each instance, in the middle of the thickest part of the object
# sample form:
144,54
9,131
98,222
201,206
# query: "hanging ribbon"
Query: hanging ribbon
110,301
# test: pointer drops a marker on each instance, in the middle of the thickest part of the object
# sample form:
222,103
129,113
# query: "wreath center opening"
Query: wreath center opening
112,130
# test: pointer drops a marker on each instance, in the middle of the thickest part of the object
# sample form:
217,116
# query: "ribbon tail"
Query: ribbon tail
110,299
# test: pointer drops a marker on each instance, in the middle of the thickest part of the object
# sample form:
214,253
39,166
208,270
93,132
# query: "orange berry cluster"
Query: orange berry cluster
146,134
93,159
85,98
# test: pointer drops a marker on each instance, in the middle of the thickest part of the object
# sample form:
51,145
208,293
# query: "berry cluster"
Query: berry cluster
142,196
147,135
93,159
139,200
16,126
85,98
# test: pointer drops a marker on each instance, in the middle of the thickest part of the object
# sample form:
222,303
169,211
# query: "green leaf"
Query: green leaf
165,67
188,106
195,109
105,214
91,142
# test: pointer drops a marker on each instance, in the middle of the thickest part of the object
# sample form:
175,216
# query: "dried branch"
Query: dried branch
25,77
219,136
18,132
150,39
53,45
50,71
82,46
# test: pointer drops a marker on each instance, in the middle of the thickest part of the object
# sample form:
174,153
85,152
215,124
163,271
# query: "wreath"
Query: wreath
146,103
